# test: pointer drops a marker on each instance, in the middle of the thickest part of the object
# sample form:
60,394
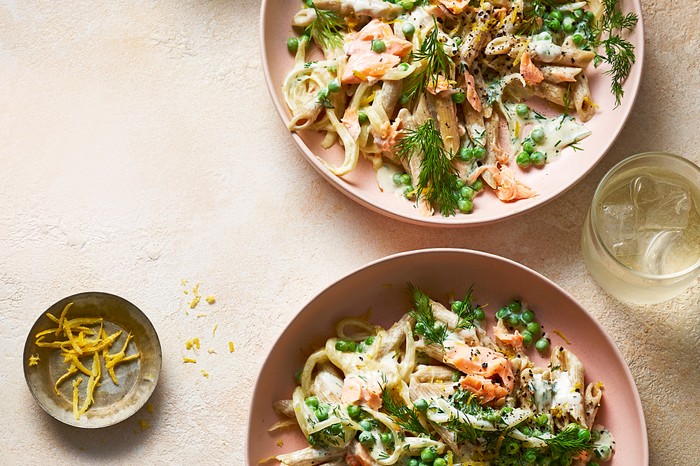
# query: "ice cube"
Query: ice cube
618,217
661,205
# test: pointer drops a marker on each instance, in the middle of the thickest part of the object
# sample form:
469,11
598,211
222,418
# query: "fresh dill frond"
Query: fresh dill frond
437,63
404,416
534,14
466,310
326,28
568,441
618,52
437,180
426,325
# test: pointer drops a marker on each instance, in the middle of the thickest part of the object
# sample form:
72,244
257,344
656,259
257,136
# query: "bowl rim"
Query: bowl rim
463,252
631,93
143,319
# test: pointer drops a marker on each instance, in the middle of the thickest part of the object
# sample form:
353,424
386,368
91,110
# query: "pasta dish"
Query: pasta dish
437,388
433,92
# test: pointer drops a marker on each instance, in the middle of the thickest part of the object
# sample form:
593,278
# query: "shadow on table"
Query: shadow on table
110,443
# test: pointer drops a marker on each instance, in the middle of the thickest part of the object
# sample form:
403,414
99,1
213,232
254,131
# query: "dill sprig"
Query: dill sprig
404,416
437,63
619,52
568,441
426,324
437,180
326,28
465,310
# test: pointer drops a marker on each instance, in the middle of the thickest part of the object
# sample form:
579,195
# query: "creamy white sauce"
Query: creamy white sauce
604,447
560,132
565,393
542,390
385,179
542,46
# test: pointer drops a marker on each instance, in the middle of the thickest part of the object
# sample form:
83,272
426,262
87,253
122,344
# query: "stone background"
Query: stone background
131,159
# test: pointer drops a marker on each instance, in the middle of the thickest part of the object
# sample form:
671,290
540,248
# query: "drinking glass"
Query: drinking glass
641,237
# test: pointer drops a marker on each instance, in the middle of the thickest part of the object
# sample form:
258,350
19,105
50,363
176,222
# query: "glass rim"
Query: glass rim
612,172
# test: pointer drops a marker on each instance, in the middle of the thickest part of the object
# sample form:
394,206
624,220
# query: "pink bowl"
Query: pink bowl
380,288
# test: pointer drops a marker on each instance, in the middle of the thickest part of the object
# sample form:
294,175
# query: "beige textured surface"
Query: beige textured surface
139,146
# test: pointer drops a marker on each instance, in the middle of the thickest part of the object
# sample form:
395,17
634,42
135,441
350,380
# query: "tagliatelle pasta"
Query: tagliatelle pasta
432,92
437,388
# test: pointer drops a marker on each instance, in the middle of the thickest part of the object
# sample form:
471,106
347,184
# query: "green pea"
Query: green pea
465,153
584,435
334,85
365,438
502,313
458,41
506,410
554,24
336,428
528,146
578,14
578,39
386,438
467,193
408,29
537,158
333,68
479,314
311,401
378,46
457,306
406,179
440,462
527,316
529,456
595,435
458,97
366,424
477,185
312,439
542,345
362,117
407,4
412,462
369,341
341,345
590,17
493,417
397,179
465,206
421,405
522,110
354,411
479,152
323,93
515,306
352,346
511,446
428,454
456,376
556,14
534,328
537,135
322,413
523,159
404,66
568,25
527,338
292,44
542,420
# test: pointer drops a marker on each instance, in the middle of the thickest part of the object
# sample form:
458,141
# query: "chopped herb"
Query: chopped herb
437,63
568,441
466,311
326,28
404,416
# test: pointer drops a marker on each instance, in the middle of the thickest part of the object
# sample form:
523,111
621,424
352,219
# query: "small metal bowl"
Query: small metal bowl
112,403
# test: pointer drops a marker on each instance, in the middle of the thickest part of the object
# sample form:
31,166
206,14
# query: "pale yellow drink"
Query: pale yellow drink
641,239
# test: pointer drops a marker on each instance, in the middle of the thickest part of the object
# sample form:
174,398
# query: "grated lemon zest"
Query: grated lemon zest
192,343
189,360
231,348
210,299
33,360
